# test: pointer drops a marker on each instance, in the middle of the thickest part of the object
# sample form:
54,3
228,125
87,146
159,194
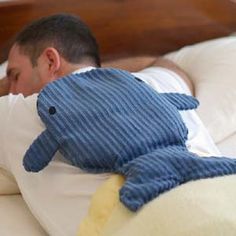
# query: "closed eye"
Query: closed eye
16,76
12,74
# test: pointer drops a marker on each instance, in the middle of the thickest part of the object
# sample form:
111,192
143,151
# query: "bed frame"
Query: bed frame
129,28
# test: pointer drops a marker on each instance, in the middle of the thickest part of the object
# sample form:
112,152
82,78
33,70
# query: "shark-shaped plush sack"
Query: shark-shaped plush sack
107,120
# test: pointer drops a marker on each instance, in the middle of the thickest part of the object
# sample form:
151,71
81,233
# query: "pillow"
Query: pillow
211,66
8,184
3,68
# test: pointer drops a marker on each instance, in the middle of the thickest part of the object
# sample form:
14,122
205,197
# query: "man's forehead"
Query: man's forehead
16,57
11,66
16,61
14,50
13,56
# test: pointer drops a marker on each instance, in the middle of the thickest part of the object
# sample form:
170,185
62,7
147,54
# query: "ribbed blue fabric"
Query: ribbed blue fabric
106,120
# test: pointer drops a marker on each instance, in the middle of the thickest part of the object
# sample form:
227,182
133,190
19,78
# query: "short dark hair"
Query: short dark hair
67,33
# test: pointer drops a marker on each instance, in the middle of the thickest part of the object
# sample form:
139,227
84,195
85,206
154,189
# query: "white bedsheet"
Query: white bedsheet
16,219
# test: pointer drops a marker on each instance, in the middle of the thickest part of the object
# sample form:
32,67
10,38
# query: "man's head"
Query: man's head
47,49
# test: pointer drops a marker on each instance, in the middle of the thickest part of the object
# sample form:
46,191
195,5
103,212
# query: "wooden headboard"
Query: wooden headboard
125,27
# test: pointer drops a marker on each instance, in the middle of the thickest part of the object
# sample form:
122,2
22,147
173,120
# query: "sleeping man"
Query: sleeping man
44,51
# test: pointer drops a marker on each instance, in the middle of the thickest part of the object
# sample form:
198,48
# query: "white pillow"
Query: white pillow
3,68
8,184
212,67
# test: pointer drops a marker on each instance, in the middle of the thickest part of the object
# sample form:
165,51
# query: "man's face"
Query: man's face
23,77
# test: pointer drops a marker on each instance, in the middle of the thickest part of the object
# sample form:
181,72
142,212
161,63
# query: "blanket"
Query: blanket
205,207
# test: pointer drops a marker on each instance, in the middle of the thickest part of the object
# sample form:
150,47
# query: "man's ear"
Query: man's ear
53,60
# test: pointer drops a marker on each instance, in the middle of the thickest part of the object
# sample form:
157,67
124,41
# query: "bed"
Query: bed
198,35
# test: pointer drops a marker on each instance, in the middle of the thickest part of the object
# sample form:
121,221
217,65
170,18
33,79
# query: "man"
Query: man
44,51
56,46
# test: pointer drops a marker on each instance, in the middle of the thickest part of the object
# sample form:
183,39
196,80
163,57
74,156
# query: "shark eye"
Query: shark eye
52,110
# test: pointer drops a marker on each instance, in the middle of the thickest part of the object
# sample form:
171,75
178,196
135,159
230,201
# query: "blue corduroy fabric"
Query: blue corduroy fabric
106,120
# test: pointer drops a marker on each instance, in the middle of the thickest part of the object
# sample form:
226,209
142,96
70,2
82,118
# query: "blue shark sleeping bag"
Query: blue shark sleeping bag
107,120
